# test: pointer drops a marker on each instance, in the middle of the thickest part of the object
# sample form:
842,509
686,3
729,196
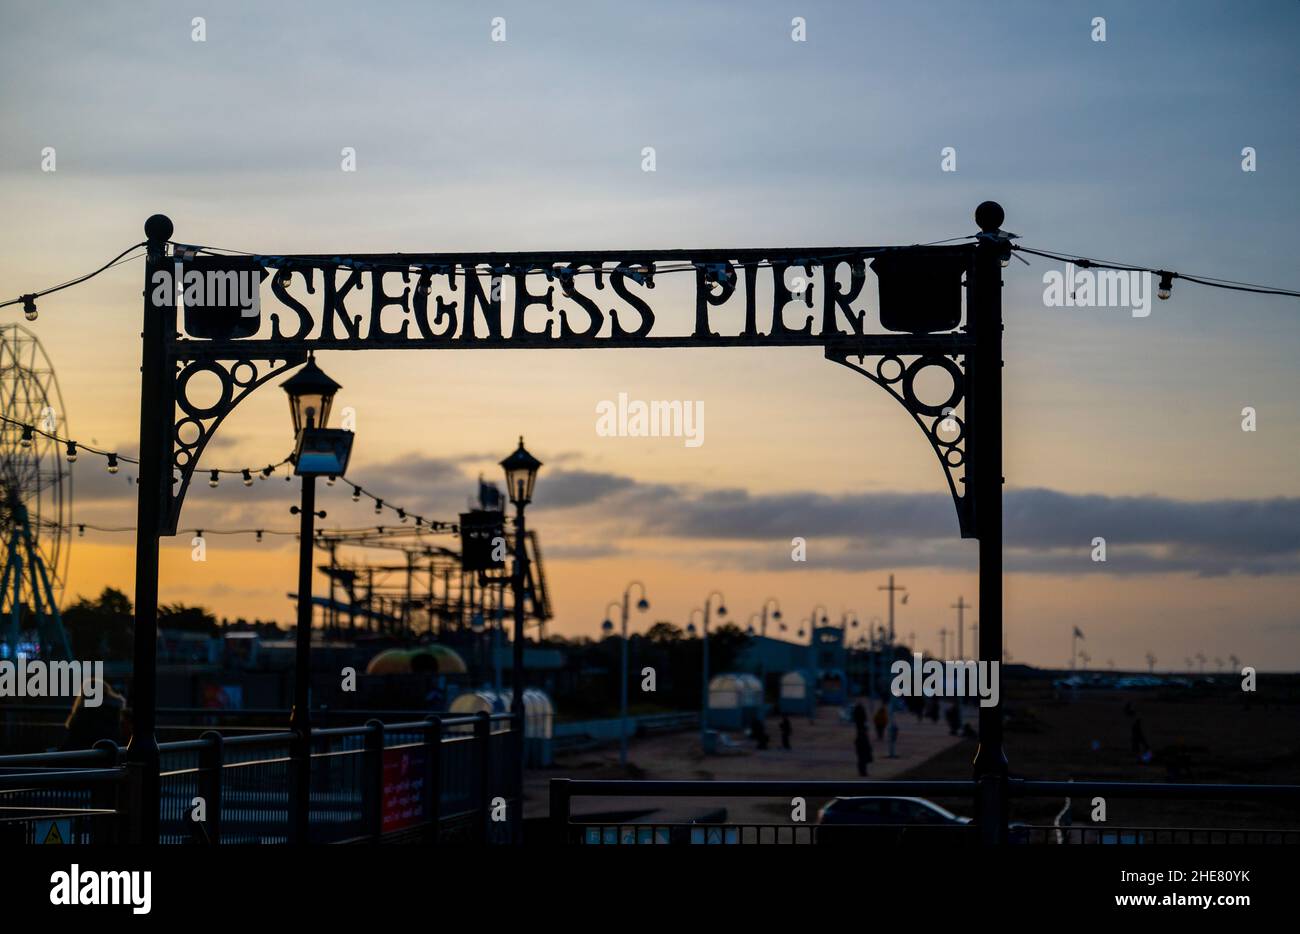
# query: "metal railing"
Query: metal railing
450,778
714,828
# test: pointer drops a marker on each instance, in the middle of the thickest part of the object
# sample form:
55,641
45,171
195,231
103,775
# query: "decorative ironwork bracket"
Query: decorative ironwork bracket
195,419
944,423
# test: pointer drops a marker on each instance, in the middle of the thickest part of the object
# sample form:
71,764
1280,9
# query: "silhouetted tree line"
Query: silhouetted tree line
103,628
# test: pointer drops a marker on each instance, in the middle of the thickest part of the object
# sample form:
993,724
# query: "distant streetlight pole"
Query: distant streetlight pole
813,620
770,602
776,613
642,605
704,706
960,606
497,626
892,590
848,620
318,450
521,475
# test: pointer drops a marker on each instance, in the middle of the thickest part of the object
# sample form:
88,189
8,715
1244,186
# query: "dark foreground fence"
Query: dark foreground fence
900,815
432,780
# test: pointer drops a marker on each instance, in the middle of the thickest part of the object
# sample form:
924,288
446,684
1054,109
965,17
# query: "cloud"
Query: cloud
588,514
1045,531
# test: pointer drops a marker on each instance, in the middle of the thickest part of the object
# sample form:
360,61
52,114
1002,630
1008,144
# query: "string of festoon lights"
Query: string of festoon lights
404,531
73,449
1166,285
640,272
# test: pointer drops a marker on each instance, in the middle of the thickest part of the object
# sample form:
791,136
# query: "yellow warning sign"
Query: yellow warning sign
53,831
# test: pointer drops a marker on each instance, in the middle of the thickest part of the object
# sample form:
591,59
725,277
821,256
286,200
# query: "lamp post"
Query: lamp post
478,625
643,604
319,450
704,706
813,622
690,631
776,613
874,630
521,474
762,666
848,620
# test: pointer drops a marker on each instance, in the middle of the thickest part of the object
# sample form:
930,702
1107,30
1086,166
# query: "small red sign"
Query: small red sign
403,788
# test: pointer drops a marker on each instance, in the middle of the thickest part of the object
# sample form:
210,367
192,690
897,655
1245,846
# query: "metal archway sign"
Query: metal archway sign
939,311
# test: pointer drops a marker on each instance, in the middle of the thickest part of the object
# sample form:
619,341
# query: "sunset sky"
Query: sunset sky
1121,427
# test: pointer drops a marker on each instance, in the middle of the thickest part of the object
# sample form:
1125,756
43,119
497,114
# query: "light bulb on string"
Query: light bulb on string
214,478
248,477
72,452
112,463
29,307
28,434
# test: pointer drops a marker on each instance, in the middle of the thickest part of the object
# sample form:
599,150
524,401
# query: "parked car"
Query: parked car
887,820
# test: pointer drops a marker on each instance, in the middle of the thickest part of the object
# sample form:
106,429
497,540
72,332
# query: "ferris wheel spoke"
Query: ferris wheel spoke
35,499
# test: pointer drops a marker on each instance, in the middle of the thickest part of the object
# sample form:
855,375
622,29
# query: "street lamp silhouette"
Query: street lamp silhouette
776,614
643,604
521,475
722,611
319,451
813,622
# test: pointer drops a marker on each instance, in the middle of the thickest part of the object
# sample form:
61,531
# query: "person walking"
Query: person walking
881,721
893,738
786,730
859,715
862,746
1140,744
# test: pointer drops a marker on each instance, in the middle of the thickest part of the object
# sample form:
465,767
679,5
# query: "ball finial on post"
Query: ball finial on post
989,216
158,228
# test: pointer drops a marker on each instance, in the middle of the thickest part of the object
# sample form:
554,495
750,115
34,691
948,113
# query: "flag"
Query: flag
1078,633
